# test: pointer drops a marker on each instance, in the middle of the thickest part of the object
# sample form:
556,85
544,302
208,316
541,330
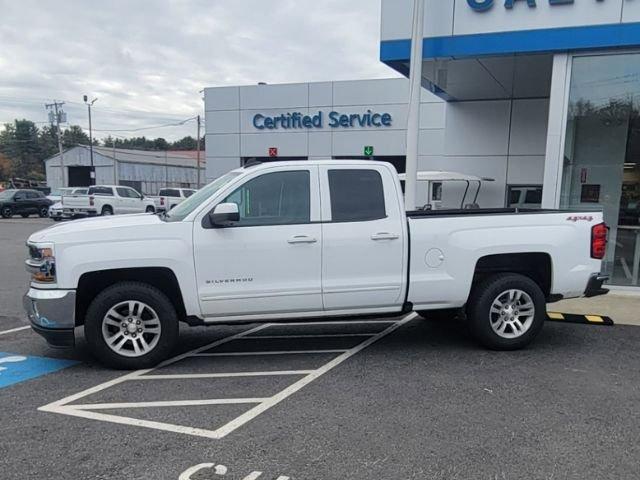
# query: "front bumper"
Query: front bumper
52,315
594,285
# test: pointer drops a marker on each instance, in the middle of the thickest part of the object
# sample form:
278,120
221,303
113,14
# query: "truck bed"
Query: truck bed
492,211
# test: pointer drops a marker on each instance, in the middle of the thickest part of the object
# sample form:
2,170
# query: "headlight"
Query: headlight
41,264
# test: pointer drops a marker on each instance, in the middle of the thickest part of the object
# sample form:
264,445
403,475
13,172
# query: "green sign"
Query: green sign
368,150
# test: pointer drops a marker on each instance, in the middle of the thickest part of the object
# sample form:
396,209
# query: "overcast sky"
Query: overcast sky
147,60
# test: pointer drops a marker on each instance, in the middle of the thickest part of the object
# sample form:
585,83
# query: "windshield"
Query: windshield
183,209
7,194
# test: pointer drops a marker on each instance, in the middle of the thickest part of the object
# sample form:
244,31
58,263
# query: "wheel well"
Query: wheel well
106,206
92,283
536,266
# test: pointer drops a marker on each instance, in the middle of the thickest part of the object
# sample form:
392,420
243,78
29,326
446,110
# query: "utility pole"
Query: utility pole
56,115
198,149
93,171
413,118
115,163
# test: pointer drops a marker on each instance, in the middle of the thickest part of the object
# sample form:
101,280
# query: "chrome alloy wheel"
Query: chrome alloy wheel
512,313
131,328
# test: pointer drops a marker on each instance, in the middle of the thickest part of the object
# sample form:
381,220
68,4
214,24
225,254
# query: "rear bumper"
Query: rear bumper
594,285
77,212
52,315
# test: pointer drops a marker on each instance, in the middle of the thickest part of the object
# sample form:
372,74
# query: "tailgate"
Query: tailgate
75,201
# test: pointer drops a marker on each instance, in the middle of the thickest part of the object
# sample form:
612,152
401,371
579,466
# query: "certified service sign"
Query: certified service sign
297,120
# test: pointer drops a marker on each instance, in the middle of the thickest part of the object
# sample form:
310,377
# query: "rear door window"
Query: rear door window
356,195
106,191
169,192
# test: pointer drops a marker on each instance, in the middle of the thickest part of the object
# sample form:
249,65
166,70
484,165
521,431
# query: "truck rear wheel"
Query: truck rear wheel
131,325
106,210
506,311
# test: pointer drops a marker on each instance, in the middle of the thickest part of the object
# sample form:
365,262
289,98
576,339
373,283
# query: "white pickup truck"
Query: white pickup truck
304,239
170,197
106,200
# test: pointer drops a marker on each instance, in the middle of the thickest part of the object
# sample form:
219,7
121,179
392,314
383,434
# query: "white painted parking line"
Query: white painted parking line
278,397
88,410
14,330
224,375
329,335
168,403
267,352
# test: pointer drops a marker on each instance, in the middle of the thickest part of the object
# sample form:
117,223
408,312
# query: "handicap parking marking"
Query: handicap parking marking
20,368
256,404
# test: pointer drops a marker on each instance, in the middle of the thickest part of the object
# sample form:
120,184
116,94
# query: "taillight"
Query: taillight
92,201
599,240
161,200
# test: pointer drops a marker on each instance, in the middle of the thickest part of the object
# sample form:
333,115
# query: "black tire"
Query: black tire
150,209
439,315
24,215
172,206
480,317
6,212
123,292
106,210
56,219
43,212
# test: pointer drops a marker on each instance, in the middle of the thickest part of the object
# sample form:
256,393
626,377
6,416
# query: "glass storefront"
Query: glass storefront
602,153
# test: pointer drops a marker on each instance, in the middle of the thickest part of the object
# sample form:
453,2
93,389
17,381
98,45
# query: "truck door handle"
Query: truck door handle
384,236
302,239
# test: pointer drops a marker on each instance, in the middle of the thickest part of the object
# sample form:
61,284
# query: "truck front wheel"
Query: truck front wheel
506,311
131,325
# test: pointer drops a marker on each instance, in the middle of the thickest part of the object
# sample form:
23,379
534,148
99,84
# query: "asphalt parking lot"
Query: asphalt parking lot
401,398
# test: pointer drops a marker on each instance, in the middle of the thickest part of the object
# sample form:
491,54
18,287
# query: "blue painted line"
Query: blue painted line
16,368
522,41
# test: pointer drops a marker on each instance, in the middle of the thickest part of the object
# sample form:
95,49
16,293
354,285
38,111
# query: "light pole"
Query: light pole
89,104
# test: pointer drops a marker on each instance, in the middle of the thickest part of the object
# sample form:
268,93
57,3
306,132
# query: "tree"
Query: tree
185,143
5,167
19,142
73,136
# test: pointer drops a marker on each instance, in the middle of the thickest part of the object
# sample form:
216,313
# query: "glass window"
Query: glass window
601,165
279,198
123,192
183,209
188,193
106,191
32,194
356,195
533,196
169,192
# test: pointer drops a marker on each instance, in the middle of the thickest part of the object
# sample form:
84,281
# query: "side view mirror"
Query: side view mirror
224,215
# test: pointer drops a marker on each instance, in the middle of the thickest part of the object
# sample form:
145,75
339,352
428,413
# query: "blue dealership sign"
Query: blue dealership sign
484,5
297,120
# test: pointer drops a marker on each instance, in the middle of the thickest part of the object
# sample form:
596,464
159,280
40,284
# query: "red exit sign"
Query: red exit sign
273,151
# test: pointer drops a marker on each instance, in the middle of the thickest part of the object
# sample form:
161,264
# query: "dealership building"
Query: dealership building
543,96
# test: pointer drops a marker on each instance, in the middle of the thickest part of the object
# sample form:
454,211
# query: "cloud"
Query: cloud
147,60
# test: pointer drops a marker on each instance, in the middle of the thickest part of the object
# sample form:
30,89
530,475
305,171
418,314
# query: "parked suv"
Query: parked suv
23,203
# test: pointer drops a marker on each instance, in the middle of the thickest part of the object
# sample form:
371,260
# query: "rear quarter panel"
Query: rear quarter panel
463,240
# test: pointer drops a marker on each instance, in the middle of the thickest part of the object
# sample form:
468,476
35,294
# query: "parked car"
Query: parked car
106,200
170,197
55,210
305,240
23,203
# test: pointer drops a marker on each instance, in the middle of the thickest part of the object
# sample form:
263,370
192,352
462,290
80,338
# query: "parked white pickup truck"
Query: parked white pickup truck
170,197
106,200
304,239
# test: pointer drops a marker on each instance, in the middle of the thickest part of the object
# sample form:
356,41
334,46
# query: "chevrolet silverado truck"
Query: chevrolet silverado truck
304,240
106,200
170,197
